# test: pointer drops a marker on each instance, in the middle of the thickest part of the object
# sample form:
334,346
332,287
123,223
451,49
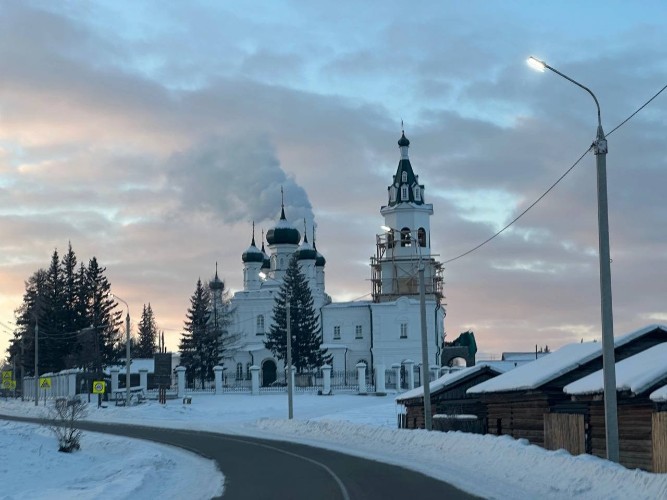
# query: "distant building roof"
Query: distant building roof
523,356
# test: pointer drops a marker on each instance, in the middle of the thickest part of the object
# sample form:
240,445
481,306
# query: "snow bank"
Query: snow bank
489,466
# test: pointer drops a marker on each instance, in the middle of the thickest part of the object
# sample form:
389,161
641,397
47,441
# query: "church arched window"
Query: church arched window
260,324
247,371
239,371
405,237
418,193
404,177
404,193
421,237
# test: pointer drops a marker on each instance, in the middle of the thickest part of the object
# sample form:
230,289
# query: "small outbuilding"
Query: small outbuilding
449,398
641,426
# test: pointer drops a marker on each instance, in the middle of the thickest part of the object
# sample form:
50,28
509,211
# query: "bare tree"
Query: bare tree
64,417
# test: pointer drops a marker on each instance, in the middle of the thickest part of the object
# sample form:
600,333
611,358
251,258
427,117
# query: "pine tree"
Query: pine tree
54,344
146,345
28,314
219,324
194,345
102,316
307,354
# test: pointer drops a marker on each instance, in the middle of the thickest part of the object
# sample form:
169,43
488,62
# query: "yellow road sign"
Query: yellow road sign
99,386
45,382
9,384
7,375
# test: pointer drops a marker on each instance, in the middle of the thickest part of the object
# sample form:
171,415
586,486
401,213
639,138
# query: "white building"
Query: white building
383,331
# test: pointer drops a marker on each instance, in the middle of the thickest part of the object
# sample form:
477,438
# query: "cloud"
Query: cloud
236,179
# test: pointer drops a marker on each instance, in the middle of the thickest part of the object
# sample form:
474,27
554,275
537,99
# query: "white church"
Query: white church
383,331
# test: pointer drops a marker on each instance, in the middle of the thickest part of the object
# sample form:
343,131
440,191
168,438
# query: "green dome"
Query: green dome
252,254
284,233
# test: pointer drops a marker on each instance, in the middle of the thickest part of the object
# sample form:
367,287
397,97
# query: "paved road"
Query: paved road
260,469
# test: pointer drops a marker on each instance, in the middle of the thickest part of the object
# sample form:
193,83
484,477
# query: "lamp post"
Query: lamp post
288,333
428,420
127,351
608,362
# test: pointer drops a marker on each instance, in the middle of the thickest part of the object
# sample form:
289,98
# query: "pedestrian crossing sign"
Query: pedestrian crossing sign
9,384
45,382
7,375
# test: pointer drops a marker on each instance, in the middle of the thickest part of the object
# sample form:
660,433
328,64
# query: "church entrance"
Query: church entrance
269,370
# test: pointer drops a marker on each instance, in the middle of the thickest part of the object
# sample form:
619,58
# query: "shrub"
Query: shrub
63,417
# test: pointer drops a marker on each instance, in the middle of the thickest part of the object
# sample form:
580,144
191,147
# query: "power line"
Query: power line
555,183
524,212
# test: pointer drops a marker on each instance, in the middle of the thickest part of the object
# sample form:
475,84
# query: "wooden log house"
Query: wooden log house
517,401
449,396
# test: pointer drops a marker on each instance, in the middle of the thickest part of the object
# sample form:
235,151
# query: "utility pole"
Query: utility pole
290,410
36,362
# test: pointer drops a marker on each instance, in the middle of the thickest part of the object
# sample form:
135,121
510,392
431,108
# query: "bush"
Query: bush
64,416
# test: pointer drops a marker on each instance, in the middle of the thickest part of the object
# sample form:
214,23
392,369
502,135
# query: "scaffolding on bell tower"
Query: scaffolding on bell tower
393,277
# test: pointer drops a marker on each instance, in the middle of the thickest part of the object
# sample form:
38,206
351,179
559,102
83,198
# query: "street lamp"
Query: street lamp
428,421
127,351
608,363
290,388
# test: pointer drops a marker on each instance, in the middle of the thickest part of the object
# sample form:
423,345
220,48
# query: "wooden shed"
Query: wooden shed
659,429
449,396
642,433
517,401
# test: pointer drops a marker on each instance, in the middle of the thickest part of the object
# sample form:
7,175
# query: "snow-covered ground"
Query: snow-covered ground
488,466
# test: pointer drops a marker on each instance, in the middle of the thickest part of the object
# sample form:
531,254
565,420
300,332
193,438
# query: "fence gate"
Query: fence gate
660,441
565,430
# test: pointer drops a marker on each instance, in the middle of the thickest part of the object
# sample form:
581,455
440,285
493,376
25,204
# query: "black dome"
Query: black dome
252,254
403,141
306,252
284,233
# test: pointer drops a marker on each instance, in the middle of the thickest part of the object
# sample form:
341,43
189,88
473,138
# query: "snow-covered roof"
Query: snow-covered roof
446,380
523,356
560,362
136,364
659,395
636,373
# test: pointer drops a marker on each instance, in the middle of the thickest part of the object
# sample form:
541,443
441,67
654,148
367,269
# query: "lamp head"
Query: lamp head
536,64
386,228
262,275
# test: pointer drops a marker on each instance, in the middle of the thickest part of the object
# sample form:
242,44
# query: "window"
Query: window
336,333
260,324
404,330
421,236
392,194
404,193
247,371
418,193
239,371
358,332
404,177
405,237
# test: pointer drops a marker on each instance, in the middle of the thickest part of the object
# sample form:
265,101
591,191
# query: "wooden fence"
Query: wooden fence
660,441
566,431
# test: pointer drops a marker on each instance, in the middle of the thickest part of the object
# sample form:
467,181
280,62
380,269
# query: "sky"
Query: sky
152,134
345,422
